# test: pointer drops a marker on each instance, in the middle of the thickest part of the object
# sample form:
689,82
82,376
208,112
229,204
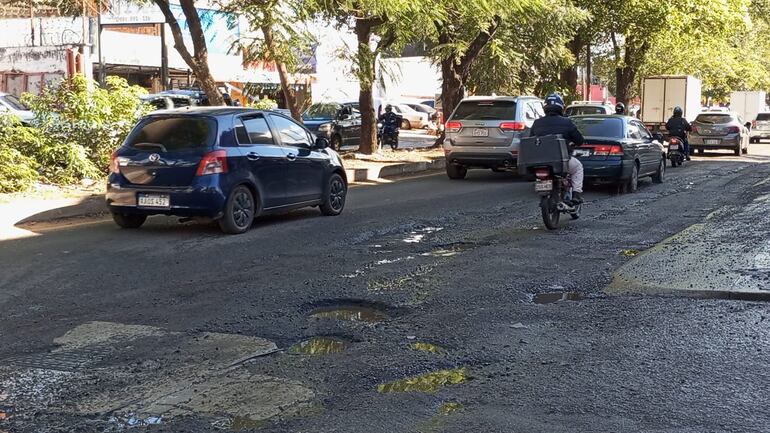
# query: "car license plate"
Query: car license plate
581,152
480,132
154,200
543,185
713,142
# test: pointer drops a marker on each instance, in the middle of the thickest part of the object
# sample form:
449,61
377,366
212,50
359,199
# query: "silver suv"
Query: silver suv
484,132
587,107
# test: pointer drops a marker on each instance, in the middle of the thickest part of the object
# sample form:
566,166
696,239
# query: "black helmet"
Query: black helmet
677,111
554,103
620,108
388,108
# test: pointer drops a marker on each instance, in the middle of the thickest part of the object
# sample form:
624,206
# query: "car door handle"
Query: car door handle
252,156
291,156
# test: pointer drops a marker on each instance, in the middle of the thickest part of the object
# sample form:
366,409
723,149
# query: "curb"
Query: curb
394,170
91,205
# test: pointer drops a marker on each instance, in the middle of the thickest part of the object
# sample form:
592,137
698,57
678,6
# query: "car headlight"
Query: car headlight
326,127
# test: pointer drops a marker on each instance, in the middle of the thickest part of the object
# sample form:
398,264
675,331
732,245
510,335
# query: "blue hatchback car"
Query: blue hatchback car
224,163
619,150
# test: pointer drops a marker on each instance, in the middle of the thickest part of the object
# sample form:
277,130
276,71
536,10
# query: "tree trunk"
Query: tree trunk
198,61
365,63
625,74
452,86
283,74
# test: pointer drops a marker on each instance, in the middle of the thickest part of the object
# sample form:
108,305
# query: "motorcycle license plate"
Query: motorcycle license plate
673,147
712,142
543,185
480,132
154,200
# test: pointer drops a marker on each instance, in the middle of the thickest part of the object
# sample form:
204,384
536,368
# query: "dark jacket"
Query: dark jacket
554,123
678,126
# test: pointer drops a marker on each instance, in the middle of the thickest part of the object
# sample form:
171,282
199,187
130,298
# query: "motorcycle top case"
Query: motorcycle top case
546,151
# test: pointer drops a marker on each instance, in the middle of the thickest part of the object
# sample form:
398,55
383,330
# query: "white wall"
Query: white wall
409,77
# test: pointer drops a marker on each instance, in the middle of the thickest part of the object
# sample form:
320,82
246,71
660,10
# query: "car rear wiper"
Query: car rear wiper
150,145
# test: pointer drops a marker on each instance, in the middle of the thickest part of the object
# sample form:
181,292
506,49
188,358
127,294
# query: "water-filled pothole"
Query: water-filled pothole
427,347
350,313
320,346
429,382
549,298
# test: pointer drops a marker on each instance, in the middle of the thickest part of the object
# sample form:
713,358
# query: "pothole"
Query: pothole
320,346
429,382
450,408
350,314
550,298
427,347
450,250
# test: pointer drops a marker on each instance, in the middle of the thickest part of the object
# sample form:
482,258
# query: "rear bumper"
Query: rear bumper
607,171
699,142
484,157
760,134
205,200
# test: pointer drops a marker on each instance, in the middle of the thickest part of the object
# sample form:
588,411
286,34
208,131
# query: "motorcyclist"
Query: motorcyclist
553,123
678,126
390,122
620,108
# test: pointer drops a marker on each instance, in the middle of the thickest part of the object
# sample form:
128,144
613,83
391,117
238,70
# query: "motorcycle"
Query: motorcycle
387,135
675,151
555,197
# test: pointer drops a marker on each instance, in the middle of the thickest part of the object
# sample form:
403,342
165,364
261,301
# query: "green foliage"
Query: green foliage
17,172
265,104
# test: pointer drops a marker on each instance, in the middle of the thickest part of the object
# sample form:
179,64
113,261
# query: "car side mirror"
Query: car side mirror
658,136
321,143
748,125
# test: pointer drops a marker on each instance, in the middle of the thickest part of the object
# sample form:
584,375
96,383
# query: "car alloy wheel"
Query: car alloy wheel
335,195
243,209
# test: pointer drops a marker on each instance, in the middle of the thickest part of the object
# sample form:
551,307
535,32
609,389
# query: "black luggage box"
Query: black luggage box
547,151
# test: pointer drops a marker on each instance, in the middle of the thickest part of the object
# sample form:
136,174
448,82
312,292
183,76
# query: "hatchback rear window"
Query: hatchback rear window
485,110
714,118
600,126
763,116
585,109
173,133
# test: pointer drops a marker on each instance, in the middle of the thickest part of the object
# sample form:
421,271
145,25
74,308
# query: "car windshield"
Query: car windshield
485,110
611,127
584,109
763,116
321,112
406,108
714,118
13,102
173,133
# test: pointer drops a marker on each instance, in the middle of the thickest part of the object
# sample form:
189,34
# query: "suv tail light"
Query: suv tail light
114,167
733,130
452,126
694,129
513,126
213,163
542,173
753,124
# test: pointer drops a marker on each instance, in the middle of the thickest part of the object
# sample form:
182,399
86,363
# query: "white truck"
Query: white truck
748,104
661,93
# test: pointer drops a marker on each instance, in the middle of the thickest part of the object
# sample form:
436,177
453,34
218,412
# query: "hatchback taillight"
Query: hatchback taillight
114,167
733,130
213,163
452,126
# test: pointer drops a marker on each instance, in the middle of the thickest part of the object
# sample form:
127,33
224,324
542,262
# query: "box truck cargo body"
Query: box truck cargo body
748,104
661,93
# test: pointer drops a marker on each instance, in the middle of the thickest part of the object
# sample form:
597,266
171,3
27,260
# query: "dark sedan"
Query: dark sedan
338,123
619,150
227,164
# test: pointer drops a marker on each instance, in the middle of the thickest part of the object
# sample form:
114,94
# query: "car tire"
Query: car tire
737,150
746,150
335,193
701,151
336,143
632,184
660,174
405,124
129,221
240,211
456,171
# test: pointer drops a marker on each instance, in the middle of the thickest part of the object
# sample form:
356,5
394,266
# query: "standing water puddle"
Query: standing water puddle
429,382
550,298
320,346
350,314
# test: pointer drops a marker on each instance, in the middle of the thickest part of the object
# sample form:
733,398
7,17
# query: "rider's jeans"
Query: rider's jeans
575,169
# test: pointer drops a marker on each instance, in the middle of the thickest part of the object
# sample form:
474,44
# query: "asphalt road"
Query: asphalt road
184,329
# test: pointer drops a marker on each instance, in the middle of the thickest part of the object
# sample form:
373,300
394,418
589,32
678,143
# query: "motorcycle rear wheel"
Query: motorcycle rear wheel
550,213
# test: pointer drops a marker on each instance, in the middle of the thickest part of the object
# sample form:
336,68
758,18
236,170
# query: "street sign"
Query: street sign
127,12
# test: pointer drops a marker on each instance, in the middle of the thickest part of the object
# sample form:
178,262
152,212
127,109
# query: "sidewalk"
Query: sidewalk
726,256
51,205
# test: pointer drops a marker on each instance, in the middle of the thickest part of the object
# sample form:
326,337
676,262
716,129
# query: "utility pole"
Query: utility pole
588,71
164,81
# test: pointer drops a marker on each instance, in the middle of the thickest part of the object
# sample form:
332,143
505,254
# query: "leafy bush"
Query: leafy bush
17,172
265,104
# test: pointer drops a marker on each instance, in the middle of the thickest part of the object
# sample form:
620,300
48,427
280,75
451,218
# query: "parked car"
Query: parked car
228,164
619,150
10,104
421,108
760,128
588,107
718,130
484,132
411,117
338,123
